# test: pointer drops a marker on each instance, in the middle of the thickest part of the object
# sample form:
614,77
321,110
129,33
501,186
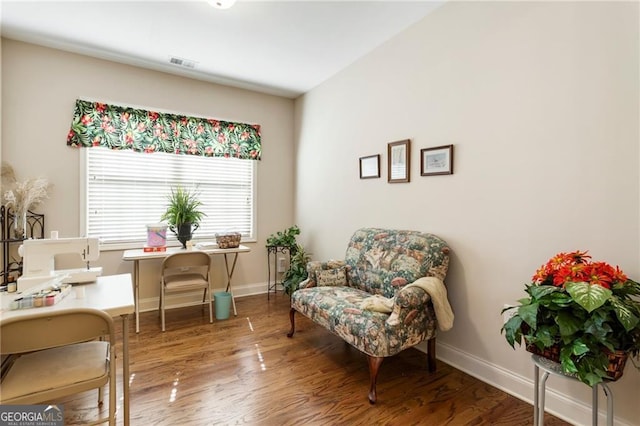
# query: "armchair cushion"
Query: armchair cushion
314,266
331,277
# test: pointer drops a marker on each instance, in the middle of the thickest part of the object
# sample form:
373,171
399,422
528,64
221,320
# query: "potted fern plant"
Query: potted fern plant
183,214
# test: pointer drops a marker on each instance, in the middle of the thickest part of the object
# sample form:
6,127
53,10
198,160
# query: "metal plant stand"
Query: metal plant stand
272,257
550,367
34,228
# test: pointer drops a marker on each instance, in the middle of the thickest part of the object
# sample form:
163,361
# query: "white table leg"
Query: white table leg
136,284
125,366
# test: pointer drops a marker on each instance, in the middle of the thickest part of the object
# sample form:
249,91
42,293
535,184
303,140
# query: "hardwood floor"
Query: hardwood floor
246,371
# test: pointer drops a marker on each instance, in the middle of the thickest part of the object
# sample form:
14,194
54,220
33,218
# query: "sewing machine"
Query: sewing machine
38,260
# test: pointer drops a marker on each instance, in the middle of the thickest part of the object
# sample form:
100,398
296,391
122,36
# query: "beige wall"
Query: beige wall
540,101
40,86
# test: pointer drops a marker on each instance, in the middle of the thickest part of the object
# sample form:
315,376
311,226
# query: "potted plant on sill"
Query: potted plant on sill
183,214
583,314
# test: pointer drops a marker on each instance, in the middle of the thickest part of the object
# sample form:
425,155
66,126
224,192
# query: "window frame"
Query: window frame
171,240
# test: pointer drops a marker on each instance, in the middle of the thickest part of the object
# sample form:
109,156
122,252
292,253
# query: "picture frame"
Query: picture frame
399,155
370,167
436,161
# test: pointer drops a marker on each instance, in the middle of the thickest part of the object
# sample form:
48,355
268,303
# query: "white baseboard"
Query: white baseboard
560,405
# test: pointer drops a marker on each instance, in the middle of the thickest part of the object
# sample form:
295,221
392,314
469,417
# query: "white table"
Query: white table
112,294
137,255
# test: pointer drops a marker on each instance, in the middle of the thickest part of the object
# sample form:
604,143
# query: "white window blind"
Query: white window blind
126,190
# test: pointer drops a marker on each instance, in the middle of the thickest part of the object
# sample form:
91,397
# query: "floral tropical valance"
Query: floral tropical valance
118,127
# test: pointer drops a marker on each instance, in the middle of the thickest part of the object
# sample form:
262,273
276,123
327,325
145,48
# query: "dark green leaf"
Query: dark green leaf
579,348
625,315
567,323
529,314
546,335
568,366
512,330
539,291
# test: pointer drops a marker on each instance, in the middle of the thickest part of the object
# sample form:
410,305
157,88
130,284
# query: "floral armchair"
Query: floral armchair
380,265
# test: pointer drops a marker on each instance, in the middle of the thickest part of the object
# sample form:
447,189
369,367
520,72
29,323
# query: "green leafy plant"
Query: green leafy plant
587,309
183,207
183,213
286,238
297,271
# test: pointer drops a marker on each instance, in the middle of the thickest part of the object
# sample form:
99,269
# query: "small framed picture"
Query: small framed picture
436,161
370,167
398,154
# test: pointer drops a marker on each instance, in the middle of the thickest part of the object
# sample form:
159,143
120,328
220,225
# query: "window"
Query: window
126,190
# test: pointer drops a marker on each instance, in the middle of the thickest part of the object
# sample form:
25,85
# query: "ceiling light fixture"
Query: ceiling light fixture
221,4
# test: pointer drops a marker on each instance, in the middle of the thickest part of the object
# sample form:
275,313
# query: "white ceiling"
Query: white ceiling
280,47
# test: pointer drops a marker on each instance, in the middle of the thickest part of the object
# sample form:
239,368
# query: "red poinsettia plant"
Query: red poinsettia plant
576,267
586,309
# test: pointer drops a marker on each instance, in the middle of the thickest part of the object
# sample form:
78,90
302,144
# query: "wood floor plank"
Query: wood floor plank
245,371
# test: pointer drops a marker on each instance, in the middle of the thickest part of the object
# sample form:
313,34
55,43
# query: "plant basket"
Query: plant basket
617,359
551,353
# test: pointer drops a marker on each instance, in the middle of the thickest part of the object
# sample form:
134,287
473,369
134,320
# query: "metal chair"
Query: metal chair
185,272
55,354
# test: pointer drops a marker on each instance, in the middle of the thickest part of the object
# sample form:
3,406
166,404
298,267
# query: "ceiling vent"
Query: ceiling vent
186,63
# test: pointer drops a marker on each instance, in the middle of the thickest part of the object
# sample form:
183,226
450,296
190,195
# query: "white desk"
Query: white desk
112,294
139,254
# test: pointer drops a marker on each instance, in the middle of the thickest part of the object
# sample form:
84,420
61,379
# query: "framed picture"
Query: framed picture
398,156
370,167
436,161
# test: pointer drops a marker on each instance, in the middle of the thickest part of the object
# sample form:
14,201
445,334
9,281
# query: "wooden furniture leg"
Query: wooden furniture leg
431,355
374,366
293,324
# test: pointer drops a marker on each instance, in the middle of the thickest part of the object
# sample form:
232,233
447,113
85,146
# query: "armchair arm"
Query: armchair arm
408,301
306,284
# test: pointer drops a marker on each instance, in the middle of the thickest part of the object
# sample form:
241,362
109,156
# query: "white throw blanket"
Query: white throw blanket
435,289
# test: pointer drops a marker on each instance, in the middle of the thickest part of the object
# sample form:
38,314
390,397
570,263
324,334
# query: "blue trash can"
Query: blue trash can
222,301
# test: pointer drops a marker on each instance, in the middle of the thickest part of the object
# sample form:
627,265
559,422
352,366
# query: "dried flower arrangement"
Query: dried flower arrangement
22,196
